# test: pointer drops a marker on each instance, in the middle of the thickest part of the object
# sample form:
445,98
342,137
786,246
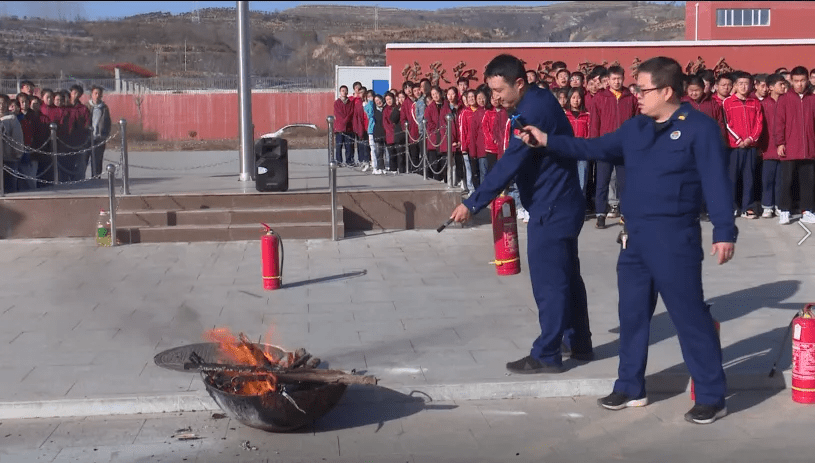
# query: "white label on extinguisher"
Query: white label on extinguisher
796,332
505,209
803,361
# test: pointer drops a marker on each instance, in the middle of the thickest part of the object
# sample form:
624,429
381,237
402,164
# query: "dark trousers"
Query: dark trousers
344,140
604,170
560,294
742,168
804,172
363,149
460,172
379,152
97,156
770,182
667,260
415,158
476,171
396,157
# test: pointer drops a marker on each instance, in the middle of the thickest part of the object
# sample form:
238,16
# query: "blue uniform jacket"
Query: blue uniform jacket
548,185
668,172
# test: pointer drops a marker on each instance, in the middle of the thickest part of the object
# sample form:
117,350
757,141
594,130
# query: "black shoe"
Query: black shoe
705,414
581,356
601,222
528,365
619,401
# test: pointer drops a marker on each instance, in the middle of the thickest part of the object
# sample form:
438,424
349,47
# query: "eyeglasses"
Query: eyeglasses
643,91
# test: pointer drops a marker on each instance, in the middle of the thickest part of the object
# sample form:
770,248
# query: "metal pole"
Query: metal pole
245,94
449,119
408,167
424,147
125,168
54,155
332,180
112,192
330,120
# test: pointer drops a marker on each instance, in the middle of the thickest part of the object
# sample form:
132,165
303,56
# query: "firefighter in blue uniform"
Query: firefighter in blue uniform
549,189
674,160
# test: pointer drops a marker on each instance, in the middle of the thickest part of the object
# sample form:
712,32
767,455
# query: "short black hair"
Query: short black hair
46,90
773,79
665,72
781,70
707,75
578,74
695,80
582,93
812,71
724,75
406,83
78,89
343,87
27,82
356,83
506,66
559,65
799,71
618,70
97,87
423,80
463,79
598,71
760,78
741,75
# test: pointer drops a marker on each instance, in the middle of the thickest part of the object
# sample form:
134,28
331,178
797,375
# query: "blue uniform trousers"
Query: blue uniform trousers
666,259
770,182
559,291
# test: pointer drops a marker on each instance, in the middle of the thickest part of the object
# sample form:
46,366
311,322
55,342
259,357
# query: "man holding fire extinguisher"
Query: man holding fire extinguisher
675,160
550,192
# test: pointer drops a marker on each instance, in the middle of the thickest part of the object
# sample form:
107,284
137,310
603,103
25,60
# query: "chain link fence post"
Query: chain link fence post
423,140
112,196
330,120
125,169
449,119
54,155
406,155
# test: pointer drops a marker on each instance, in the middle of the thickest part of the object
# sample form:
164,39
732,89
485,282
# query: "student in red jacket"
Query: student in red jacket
610,108
435,140
360,126
594,84
493,127
413,159
343,128
745,121
579,119
478,147
453,107
467,139
771,163
701,102
463,84
795,141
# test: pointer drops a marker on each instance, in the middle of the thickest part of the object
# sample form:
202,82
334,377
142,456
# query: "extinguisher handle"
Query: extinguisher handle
808,308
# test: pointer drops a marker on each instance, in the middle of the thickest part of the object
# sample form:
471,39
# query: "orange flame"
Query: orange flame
239,351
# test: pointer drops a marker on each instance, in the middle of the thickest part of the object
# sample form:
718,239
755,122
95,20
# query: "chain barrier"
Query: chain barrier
22,176
28,149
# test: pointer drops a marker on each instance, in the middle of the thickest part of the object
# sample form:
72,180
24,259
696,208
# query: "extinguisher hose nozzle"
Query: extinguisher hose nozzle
444,225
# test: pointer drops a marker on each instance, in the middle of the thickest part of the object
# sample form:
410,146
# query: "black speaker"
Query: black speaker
272,164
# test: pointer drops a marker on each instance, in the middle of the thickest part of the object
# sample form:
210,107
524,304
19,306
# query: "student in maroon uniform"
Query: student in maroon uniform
532,77
478,147
795,141
493,128
745,121
398,153
413,156
463,85
610,108
467,143
434,140
723,89
771,164
562,78
577,80
42,132
343,128
562,95
453,107
579,119
596,76
704,103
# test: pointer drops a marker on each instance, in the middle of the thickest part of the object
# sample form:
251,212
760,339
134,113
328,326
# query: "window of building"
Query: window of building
743,17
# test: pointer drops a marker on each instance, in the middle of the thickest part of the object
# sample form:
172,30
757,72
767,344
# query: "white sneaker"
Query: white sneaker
379,172
365,166
768,213
808,217
784,218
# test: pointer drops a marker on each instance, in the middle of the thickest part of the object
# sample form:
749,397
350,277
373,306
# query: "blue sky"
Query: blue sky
112,9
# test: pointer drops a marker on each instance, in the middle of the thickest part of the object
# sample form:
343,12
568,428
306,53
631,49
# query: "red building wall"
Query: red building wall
788,20
749,57
212,116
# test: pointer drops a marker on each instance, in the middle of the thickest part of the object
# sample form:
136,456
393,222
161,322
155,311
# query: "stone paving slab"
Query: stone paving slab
420,310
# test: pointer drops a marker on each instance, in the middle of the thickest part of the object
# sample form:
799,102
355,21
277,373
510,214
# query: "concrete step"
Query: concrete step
226,232
193,201
223,216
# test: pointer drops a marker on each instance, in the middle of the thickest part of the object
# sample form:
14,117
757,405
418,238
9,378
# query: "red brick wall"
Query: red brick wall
174,116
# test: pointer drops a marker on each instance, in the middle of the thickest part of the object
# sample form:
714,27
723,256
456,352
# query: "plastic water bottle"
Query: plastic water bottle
103,229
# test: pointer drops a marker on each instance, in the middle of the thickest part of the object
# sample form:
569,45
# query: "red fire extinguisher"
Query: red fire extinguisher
271,267
803,356
505,236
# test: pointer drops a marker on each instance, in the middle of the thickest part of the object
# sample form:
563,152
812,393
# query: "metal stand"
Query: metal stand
331,141
449,119
332,180
112,193
54,155
125,168
423,139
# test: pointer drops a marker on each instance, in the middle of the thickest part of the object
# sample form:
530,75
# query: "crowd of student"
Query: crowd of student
767,123
25,135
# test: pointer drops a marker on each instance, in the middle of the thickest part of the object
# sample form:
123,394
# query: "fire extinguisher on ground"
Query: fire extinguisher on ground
802,327
272,268
505,236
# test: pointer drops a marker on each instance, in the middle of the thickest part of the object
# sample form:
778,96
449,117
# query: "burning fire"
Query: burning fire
241,351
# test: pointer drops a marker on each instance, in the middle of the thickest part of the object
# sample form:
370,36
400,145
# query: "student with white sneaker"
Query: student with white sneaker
795,139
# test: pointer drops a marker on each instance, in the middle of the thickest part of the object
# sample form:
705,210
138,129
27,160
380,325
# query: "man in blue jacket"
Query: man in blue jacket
550,191
674,159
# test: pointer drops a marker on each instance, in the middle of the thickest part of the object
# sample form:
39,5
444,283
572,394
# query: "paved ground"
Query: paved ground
760,428
420,310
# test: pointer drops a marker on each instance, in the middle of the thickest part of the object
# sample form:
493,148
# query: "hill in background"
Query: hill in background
307,41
